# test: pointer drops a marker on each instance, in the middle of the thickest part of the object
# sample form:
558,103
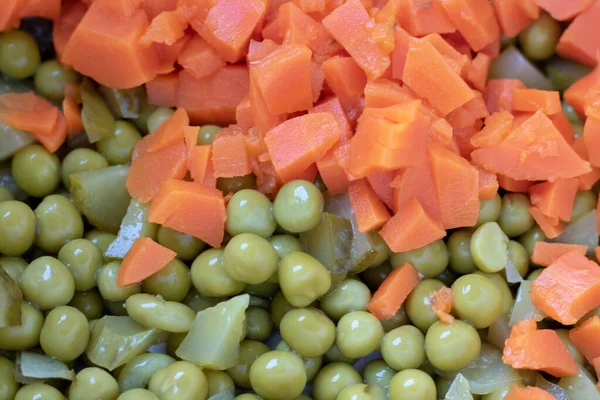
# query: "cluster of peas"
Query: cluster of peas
301,330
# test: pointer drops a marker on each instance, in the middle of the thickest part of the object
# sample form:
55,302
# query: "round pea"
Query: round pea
477,300
118,148
334,355
8,384
332,378
395,321
538,41
514,217
264,290
278,375
90,303
250,211
500,282
71,326
107,284
418,307
179,381
382,250
83,260
259,323
459,246
138,394
279,308
186,246
249,351
93,380
17,228
19,54
207,133
218,382
101,240
158,116
235,184
302,278
249,258
36,170
153,312
38,391
350,295
58,221
489,247
312,365
247,396
137,372
374,276
80,160
451,347
14,267
210,277
172,282
404,348
585,201
48,283
173,342
489,210
285,244
5,194
361,391
358,333
50,78
308,331
26,335
298,206
412,384
430,260
518,255
378,373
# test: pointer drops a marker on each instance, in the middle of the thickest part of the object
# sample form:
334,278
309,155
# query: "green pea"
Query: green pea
50,78
489,210
107,284
5,194
153,312
378,373
302,278
285,244
518,255
218,382
93,380
48,283
404,348
382,250
8,384
258,323
489,247
210,278
374,276
90,303
137,394
477,300
36,170
412,384
101,240
430,260
137,372
309,332
80,160
350,295
58,221
19,54
249,351
158,116
249,258
395,321
279,308
361,391
71,326
186,246
332,379
39,391
14,267
529,238
459,246
250,211
278,375
179,381
358,334
26,335
172,282
235,184
312,365
418,306
298,206
335,355
514,217
207,133
264,290
502,285
538,41
451,347
533,275
118,148
585,201
17,228
83,260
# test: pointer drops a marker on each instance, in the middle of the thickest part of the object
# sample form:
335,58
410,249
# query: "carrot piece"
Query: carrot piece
564,126
229,26
540,350
350,25
563,11
392,292
124,8
454,58
398,55
411,228
169,132
385,93
150,170
477,71
299,142
442,302
345,78
475,20
213,99
431,77
272,75
155,7
49,9
467,115
317,81
419,20
73,91
229,153
568,288
442,131
263,119
190,137
381,185
333,174
62,29
369,210
195,12
457,187
513,185
545,253
577,42
144,259
311,5
416,182
591,138
168,54
190,208
201,166
10,14
199,58
162,90
527,393
333,105
586,337
532,100
488,184
550,226
497,128
577,94
167,28
512,16
72,116
243,113
498,94
555,199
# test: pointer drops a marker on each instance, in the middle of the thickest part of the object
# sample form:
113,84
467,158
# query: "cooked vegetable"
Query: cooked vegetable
33,367
144,258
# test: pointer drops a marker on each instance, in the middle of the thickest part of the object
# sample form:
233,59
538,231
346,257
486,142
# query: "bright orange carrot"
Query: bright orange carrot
563,11
532,100
62,29
190,208
229,153
576,41
369,210
333,174
512,16
586,337
345,78
475,20
411,228
527,393
477,71
144,259
381,184
201,165
577,94
73,117
545,253
10,15
591,138
199,58
162,90
454,58
551,227
385,93
167,28
398,55
393,291
498,94
442,302
488,184
155,7
496,129
555,199
416,182
168,54
49,9
513,185
467,115
334,106
420,21
568,288
564,126
243,114
169,132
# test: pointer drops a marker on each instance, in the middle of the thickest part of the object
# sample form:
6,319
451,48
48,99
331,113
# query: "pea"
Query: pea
350,295
500,283
489,210
538,41
93,380
137,372
312,365
361,391
186,246
250,211
247,396
249,351
412,384
258,323
17,228
50,78
47,283
207,133
332,379
179,381
378,373
36,170
585,201
529,238
210,278
101,240
80,160
8,384
298,206
451,347
172,282
218,382
534,274
38,391
430,260
308,331
26,335
477,300
249,258
358,334
137,394
459,246
285,244
418,306
395,321
235,184
335,355
58,221
302,278
489,247
90,303
264,290
83,260
152,312
404,348
518,255
118,148
279,308
158,116
374,276
14,267
5,194
382,250
278,375
71,326
19,54
107,284
514,217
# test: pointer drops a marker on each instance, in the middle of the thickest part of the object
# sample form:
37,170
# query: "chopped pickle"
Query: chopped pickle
524,308
580,386
124,103
101,196
12,140
10,301
114,341
34,367
227,394
555,390
459,389
197,302
563,73
97,119
330,242
214,340
134,225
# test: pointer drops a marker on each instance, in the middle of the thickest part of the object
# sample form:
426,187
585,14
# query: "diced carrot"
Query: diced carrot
73,91
398,55
591,138
62,29
527,393
498,94
49,9
350,25
199,58
169,132
586,337
201,165
10,14
125,8
568,288
564,126
540,350
532,100
545,253
577,42
144,259
496,129
392,292
299,142
162,90
467,115
345,78
73,117
454,58
419,20
513,18
103,36
442,131
563,11
475,20
317,81
416,182
263,119
577,94
431,77
477,71
368,209
333,174
311,5
243,114
381,184
152,169
168,54
195,12
190,208
555,199
255,143
551,227
229,153
190,137
334,106
385,93
587,181
155,7
512,185
167,28
488,184
442,302
213,99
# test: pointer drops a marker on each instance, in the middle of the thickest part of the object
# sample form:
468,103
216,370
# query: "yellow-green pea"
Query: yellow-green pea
58,221
107,284
17,228
529,238
218,382
430,260
71,326
138,394
93,380
137,372
361,391
412,384
90,303
48,283
5,194
249,351
358,333
80,160
249,258
258,322
152,312
160,115
14,267
210,278
39,391
36,170
186,246
308,331
118,148
514,217
518,255
332,379
207,133
172,282
302,278
489,247
278,375
101,240
312,365
459,246
404,348
538,41
179,381
489,210
83,260
50,78
585,201
350,295
26,335
8,384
